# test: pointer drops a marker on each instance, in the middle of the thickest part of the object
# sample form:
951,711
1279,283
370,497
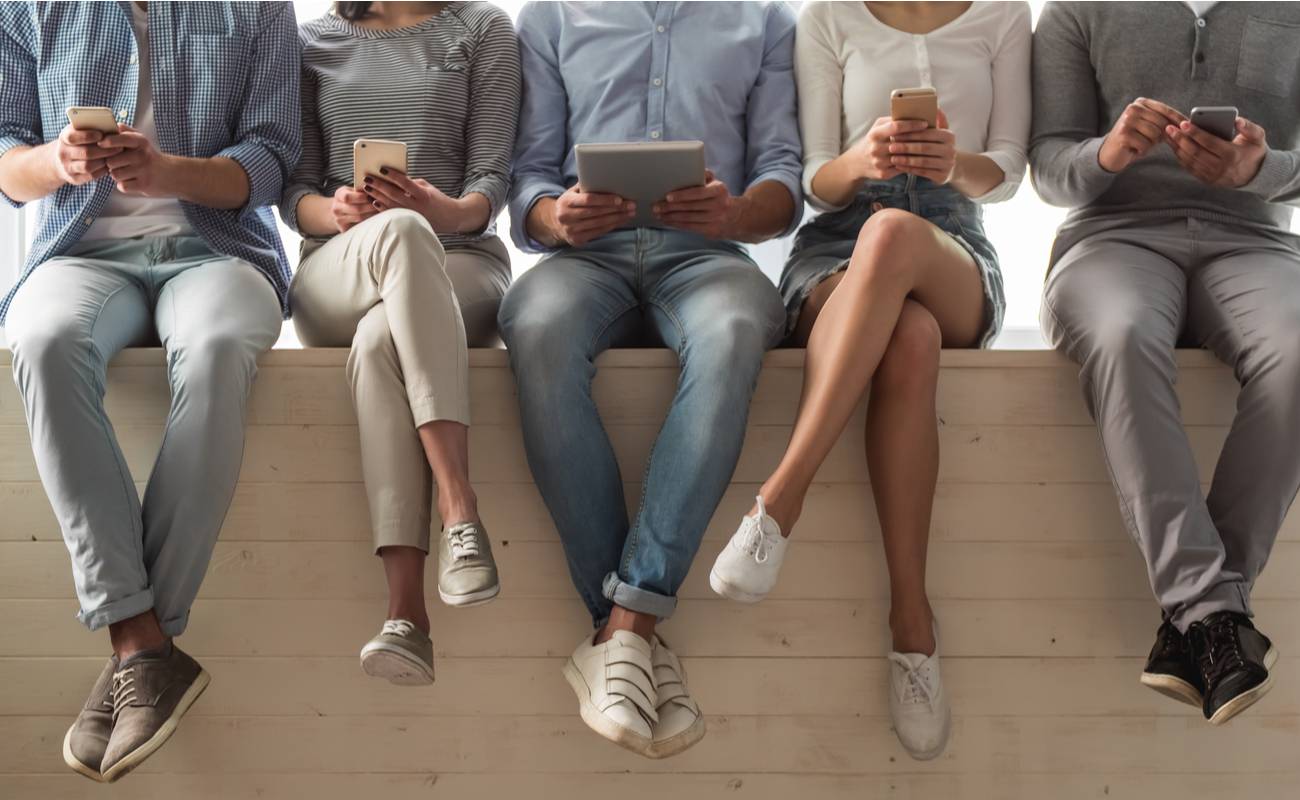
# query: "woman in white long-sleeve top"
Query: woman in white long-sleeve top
408,271
897,267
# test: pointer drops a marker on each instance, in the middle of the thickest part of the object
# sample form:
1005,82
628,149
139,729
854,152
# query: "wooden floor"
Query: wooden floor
1043,600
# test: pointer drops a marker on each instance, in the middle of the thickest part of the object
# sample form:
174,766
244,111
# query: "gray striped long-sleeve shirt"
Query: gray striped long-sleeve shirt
448,87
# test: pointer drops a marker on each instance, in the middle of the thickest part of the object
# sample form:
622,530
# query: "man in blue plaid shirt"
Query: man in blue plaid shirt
158,231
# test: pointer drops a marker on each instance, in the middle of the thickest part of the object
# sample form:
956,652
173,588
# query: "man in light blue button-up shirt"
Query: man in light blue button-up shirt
721,73
155,232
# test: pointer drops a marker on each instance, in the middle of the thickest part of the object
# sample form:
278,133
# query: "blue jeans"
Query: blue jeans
708,302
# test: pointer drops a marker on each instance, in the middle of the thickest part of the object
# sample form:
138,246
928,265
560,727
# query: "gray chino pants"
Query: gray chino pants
1118,302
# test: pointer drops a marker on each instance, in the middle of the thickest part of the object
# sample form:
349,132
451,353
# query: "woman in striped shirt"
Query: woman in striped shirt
408,270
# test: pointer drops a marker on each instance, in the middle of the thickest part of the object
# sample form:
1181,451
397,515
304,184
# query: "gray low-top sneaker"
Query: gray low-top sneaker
86,740
467,575
151,692
401,654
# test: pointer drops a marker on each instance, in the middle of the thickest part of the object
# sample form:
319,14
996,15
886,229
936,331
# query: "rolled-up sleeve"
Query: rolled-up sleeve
543,137
308,176
1009,120
494,113
20,113
268,133
772,151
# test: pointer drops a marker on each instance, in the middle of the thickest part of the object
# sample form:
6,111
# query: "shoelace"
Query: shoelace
1220,647
123,689
397,627
464,543
917,687
756,541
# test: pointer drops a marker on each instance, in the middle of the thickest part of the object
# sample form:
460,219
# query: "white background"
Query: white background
1021,229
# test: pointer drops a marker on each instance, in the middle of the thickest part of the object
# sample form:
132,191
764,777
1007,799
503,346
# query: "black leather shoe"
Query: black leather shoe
1234,661
1170,668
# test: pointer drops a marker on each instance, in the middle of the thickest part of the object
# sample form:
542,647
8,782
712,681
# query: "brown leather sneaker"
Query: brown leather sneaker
86,740
150,695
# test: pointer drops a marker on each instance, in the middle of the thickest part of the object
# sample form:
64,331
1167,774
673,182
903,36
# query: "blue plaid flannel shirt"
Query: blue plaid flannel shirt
225,83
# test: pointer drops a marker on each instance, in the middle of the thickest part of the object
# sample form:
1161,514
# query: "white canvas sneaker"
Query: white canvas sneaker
680,724
747,568
614,683
918,703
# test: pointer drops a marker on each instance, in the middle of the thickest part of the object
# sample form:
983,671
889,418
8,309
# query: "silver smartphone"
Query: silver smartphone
643,172
1218,120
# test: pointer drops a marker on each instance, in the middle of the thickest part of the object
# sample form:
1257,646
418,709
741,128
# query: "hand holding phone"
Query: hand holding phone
1216,160
1218,120
78,156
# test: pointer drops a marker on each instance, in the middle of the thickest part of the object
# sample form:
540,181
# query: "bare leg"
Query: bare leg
137,633
622,619
898,255
446,444
902,442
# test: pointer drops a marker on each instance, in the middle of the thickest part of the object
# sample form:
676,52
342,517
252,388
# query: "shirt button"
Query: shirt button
654,134
1200,23
661,29
88,220
1200,58
121,112
132,59
658,81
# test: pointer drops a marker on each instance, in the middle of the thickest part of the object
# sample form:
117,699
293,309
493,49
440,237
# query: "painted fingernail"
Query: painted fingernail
383,170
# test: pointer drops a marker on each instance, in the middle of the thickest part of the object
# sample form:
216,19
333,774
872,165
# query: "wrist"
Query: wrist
168,176
738,216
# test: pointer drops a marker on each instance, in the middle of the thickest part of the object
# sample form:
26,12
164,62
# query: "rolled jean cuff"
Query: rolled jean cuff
176,625
118,610
1223,597
433,409
643,601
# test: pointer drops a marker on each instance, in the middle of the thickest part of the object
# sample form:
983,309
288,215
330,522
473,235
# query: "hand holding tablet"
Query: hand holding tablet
643,173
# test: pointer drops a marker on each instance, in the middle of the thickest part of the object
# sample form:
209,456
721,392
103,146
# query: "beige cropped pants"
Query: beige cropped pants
409,310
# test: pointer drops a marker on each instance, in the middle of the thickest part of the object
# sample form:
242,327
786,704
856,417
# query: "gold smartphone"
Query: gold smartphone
92,118
369,156
920,103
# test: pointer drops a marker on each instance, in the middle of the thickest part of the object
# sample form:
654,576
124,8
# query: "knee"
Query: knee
1276,356
885,244
911,360
212,364
47,347
372,346
732,341
404,228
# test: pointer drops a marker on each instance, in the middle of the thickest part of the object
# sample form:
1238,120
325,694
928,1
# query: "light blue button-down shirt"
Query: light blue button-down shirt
722,73
224,82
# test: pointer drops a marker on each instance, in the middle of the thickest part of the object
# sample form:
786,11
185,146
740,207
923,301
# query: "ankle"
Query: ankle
623,619
457,506
782,504
912,626
414,614
137,634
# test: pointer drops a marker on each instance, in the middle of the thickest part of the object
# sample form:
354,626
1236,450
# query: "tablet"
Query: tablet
640,171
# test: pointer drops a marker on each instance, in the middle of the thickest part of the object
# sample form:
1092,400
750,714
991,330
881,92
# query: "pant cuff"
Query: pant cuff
176,625
433,409
1223,597
400,534
634,598
118,610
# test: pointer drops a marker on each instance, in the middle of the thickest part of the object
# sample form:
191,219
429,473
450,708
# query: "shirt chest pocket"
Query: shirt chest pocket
1270,57
447,95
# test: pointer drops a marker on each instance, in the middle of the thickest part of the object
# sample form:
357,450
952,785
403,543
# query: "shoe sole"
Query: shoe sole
680,742
597,721
78,767
1249,697
395,666
1173,687
138,756
724,589
471,599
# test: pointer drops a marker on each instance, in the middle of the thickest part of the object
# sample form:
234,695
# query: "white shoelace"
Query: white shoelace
464,542
123,689
917,689
397,627
756,542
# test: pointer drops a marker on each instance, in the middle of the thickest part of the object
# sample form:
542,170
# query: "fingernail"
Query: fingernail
383,170
618,202
376,205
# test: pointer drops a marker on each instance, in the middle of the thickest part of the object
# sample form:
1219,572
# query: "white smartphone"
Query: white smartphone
369,156
1218,120
92,118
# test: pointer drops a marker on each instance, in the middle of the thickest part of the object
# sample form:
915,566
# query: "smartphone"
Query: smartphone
369,156
921,103
1218,120
92,118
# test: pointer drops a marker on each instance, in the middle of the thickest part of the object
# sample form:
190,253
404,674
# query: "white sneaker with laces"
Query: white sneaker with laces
680,724
747,568
614,682
918,703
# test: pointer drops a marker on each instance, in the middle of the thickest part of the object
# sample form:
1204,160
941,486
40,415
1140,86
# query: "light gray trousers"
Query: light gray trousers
214,315
1118,302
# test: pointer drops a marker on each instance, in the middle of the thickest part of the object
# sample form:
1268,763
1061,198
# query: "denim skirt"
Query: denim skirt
823,246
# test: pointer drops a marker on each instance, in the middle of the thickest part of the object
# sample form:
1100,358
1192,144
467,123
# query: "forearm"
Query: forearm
836,183
314,217
29,173
542,226
1278,178
211,182
975,174
766,209
472,213
1067,173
